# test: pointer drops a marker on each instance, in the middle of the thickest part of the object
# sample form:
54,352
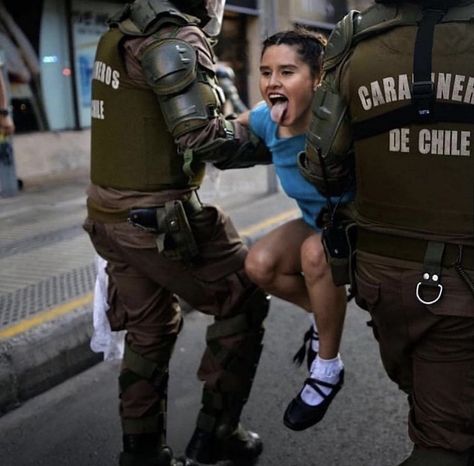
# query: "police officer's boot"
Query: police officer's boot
234,346
144,450
438,457
225,442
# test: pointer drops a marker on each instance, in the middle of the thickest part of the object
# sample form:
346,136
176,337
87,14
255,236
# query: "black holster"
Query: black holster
339,238
174,236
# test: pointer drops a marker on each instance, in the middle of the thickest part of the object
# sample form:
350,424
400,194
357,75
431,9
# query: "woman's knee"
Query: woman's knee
260,266
313,259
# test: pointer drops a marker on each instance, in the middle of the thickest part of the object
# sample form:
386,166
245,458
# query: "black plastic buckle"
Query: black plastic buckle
422,89
423,97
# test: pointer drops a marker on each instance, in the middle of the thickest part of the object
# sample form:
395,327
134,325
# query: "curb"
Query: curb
41,358
45,356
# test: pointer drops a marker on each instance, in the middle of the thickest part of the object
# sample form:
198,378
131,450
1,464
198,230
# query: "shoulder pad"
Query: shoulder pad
381,17
144,17
169,66
356,26
340,40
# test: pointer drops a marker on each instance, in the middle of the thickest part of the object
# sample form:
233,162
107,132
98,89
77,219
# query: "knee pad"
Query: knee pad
138,369
238,360
247,328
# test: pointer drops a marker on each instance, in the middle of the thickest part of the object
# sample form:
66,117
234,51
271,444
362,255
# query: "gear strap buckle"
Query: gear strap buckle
431,271
423,96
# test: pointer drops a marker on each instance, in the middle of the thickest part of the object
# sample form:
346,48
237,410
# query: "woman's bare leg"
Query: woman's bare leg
328,301
274,263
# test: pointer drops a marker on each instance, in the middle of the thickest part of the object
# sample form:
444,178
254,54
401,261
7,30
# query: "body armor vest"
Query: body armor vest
131,146
415,176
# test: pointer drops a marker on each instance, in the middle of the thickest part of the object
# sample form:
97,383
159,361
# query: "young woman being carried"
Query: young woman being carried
289,262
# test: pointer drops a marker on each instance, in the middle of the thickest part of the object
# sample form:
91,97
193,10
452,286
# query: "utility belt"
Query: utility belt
434,255
170,224
410,249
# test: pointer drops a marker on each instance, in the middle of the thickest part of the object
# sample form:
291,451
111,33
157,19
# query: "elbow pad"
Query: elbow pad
339,176
328,109
328,142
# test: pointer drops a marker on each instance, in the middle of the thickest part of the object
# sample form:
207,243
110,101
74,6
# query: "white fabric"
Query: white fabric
215,11
103,339
327,370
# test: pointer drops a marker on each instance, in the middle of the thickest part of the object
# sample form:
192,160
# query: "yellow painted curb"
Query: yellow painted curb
46,316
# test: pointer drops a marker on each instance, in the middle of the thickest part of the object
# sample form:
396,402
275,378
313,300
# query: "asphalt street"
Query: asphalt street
76,423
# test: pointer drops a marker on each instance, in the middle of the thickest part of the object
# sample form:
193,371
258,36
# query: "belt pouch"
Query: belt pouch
179,243
338,238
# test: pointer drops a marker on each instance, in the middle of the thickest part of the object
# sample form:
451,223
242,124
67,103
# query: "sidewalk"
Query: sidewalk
47,274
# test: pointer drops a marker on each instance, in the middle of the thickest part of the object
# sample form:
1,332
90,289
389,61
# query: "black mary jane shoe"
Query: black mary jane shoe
300,415
307,352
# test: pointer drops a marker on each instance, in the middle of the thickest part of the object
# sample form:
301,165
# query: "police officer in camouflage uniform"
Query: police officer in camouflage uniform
403,130
156,121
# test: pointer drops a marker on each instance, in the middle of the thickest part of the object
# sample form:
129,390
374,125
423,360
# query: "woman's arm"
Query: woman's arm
243,118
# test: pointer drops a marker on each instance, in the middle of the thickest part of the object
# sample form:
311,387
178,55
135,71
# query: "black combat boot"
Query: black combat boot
438,457
210,447
143,450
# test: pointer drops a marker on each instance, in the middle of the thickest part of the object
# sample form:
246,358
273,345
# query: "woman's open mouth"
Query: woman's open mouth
279,106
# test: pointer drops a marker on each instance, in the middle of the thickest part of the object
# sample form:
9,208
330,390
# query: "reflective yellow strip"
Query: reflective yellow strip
46,316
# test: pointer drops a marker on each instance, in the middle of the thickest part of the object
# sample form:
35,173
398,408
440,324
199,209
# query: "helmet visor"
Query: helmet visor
215,11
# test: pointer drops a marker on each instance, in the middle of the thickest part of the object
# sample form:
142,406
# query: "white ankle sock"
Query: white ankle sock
327,370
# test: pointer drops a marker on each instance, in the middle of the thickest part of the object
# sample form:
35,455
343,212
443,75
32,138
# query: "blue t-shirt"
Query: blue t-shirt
284,152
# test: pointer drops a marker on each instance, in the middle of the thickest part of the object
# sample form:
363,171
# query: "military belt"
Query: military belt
191,206
147,218
411,249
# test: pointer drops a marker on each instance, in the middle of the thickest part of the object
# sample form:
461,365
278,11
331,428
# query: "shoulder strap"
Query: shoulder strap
422,92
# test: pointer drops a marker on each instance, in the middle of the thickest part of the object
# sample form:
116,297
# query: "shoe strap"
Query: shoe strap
309,336
315,384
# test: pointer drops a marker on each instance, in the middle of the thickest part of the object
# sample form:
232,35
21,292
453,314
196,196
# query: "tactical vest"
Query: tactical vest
131,146
415,165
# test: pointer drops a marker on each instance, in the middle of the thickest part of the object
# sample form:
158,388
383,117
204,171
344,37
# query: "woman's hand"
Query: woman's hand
243,118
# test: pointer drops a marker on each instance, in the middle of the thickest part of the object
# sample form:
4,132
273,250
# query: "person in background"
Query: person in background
403,129
156,121
7,127
226,77
289,262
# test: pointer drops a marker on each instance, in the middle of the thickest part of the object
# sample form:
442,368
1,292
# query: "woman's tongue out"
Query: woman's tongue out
278,111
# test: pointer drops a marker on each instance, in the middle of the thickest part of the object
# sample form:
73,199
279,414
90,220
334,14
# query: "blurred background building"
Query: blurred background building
49,47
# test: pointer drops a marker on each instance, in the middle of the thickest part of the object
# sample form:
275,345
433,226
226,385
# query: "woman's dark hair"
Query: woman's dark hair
309,45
